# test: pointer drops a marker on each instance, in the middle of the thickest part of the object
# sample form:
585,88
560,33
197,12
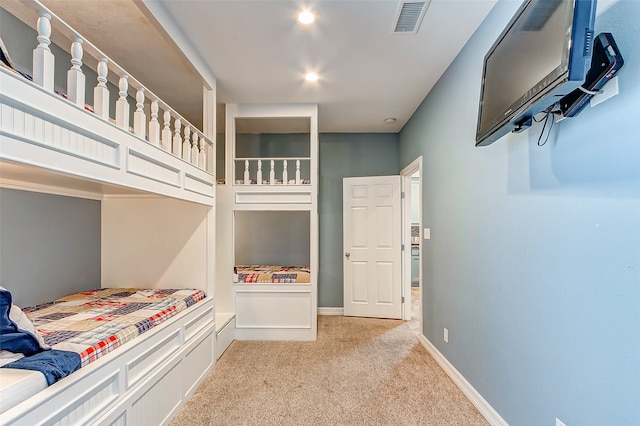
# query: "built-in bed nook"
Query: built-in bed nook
272,281
266,286
144,336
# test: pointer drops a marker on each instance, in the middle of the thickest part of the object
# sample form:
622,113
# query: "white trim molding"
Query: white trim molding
487,411
49,189
330,311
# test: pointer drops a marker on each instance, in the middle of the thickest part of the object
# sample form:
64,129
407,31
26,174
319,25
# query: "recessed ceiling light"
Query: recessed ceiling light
390,120
311,76
306,17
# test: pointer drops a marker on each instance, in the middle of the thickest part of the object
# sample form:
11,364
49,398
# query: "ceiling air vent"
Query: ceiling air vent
409,16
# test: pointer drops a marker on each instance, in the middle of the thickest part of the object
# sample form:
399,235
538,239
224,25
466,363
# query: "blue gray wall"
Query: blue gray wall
49,245
534,259
345,155
257,145
272,238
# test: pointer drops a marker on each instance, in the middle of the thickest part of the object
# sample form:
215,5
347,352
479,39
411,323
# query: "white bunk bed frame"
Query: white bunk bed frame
53,145
266,311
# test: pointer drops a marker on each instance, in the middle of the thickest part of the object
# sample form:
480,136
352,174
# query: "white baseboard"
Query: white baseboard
330,311
487,411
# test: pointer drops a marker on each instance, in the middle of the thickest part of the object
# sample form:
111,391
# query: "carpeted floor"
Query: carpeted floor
360,371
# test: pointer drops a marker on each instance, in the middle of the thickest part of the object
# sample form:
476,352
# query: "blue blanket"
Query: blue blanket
54,364
11,337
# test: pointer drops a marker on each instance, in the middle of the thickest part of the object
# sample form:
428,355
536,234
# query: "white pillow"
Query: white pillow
24,324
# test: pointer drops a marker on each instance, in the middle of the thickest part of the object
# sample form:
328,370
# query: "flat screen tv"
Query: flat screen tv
543,54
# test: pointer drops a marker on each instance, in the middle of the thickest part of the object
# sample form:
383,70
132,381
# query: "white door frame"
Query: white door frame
406,173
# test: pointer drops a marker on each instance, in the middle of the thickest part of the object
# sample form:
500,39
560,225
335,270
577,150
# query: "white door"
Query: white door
372,247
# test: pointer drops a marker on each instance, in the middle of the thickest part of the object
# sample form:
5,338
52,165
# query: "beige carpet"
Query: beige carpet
360,371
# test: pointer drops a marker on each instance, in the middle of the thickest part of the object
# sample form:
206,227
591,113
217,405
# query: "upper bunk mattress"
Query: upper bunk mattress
93,323
267,274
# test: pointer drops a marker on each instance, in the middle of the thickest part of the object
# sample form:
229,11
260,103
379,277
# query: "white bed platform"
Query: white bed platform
144,382
154,182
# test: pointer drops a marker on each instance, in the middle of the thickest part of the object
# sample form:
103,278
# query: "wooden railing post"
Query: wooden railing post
177,138
247,181
43,59
139,117
272,174
100,92
186,144
194,148
122,106
75,76
259,175
166,132
202,154
154,124
285,173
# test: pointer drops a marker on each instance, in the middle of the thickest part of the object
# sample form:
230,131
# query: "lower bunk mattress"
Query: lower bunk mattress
265,274
81,328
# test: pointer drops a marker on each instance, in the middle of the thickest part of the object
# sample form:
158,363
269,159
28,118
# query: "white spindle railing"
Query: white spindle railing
100,92
165,143
177,138
186,144
139,117
278,171
122,106
285,173
75,76
194,148
258,175
43,60
154,124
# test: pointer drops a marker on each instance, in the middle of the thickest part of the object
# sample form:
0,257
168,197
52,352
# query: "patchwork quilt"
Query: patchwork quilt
93,323
261,274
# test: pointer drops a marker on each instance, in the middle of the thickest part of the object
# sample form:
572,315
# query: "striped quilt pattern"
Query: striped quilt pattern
265,274
93,323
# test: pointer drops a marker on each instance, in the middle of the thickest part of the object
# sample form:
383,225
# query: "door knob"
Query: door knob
347,254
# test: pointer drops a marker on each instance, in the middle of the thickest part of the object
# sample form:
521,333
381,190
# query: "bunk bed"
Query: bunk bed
266,285
151,178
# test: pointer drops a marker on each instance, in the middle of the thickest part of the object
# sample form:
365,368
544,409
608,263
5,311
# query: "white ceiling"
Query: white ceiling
259,53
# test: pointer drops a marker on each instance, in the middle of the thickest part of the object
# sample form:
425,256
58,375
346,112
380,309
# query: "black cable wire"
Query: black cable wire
538,120
546,120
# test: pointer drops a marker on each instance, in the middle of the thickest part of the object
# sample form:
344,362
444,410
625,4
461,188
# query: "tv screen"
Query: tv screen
543,54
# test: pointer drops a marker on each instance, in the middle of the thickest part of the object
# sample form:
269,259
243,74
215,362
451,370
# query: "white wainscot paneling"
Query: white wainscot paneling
119,421
89,402
198,324
273,197
282,309
142,366
155,406
199,186
142,165
225,336
46,132
199,360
